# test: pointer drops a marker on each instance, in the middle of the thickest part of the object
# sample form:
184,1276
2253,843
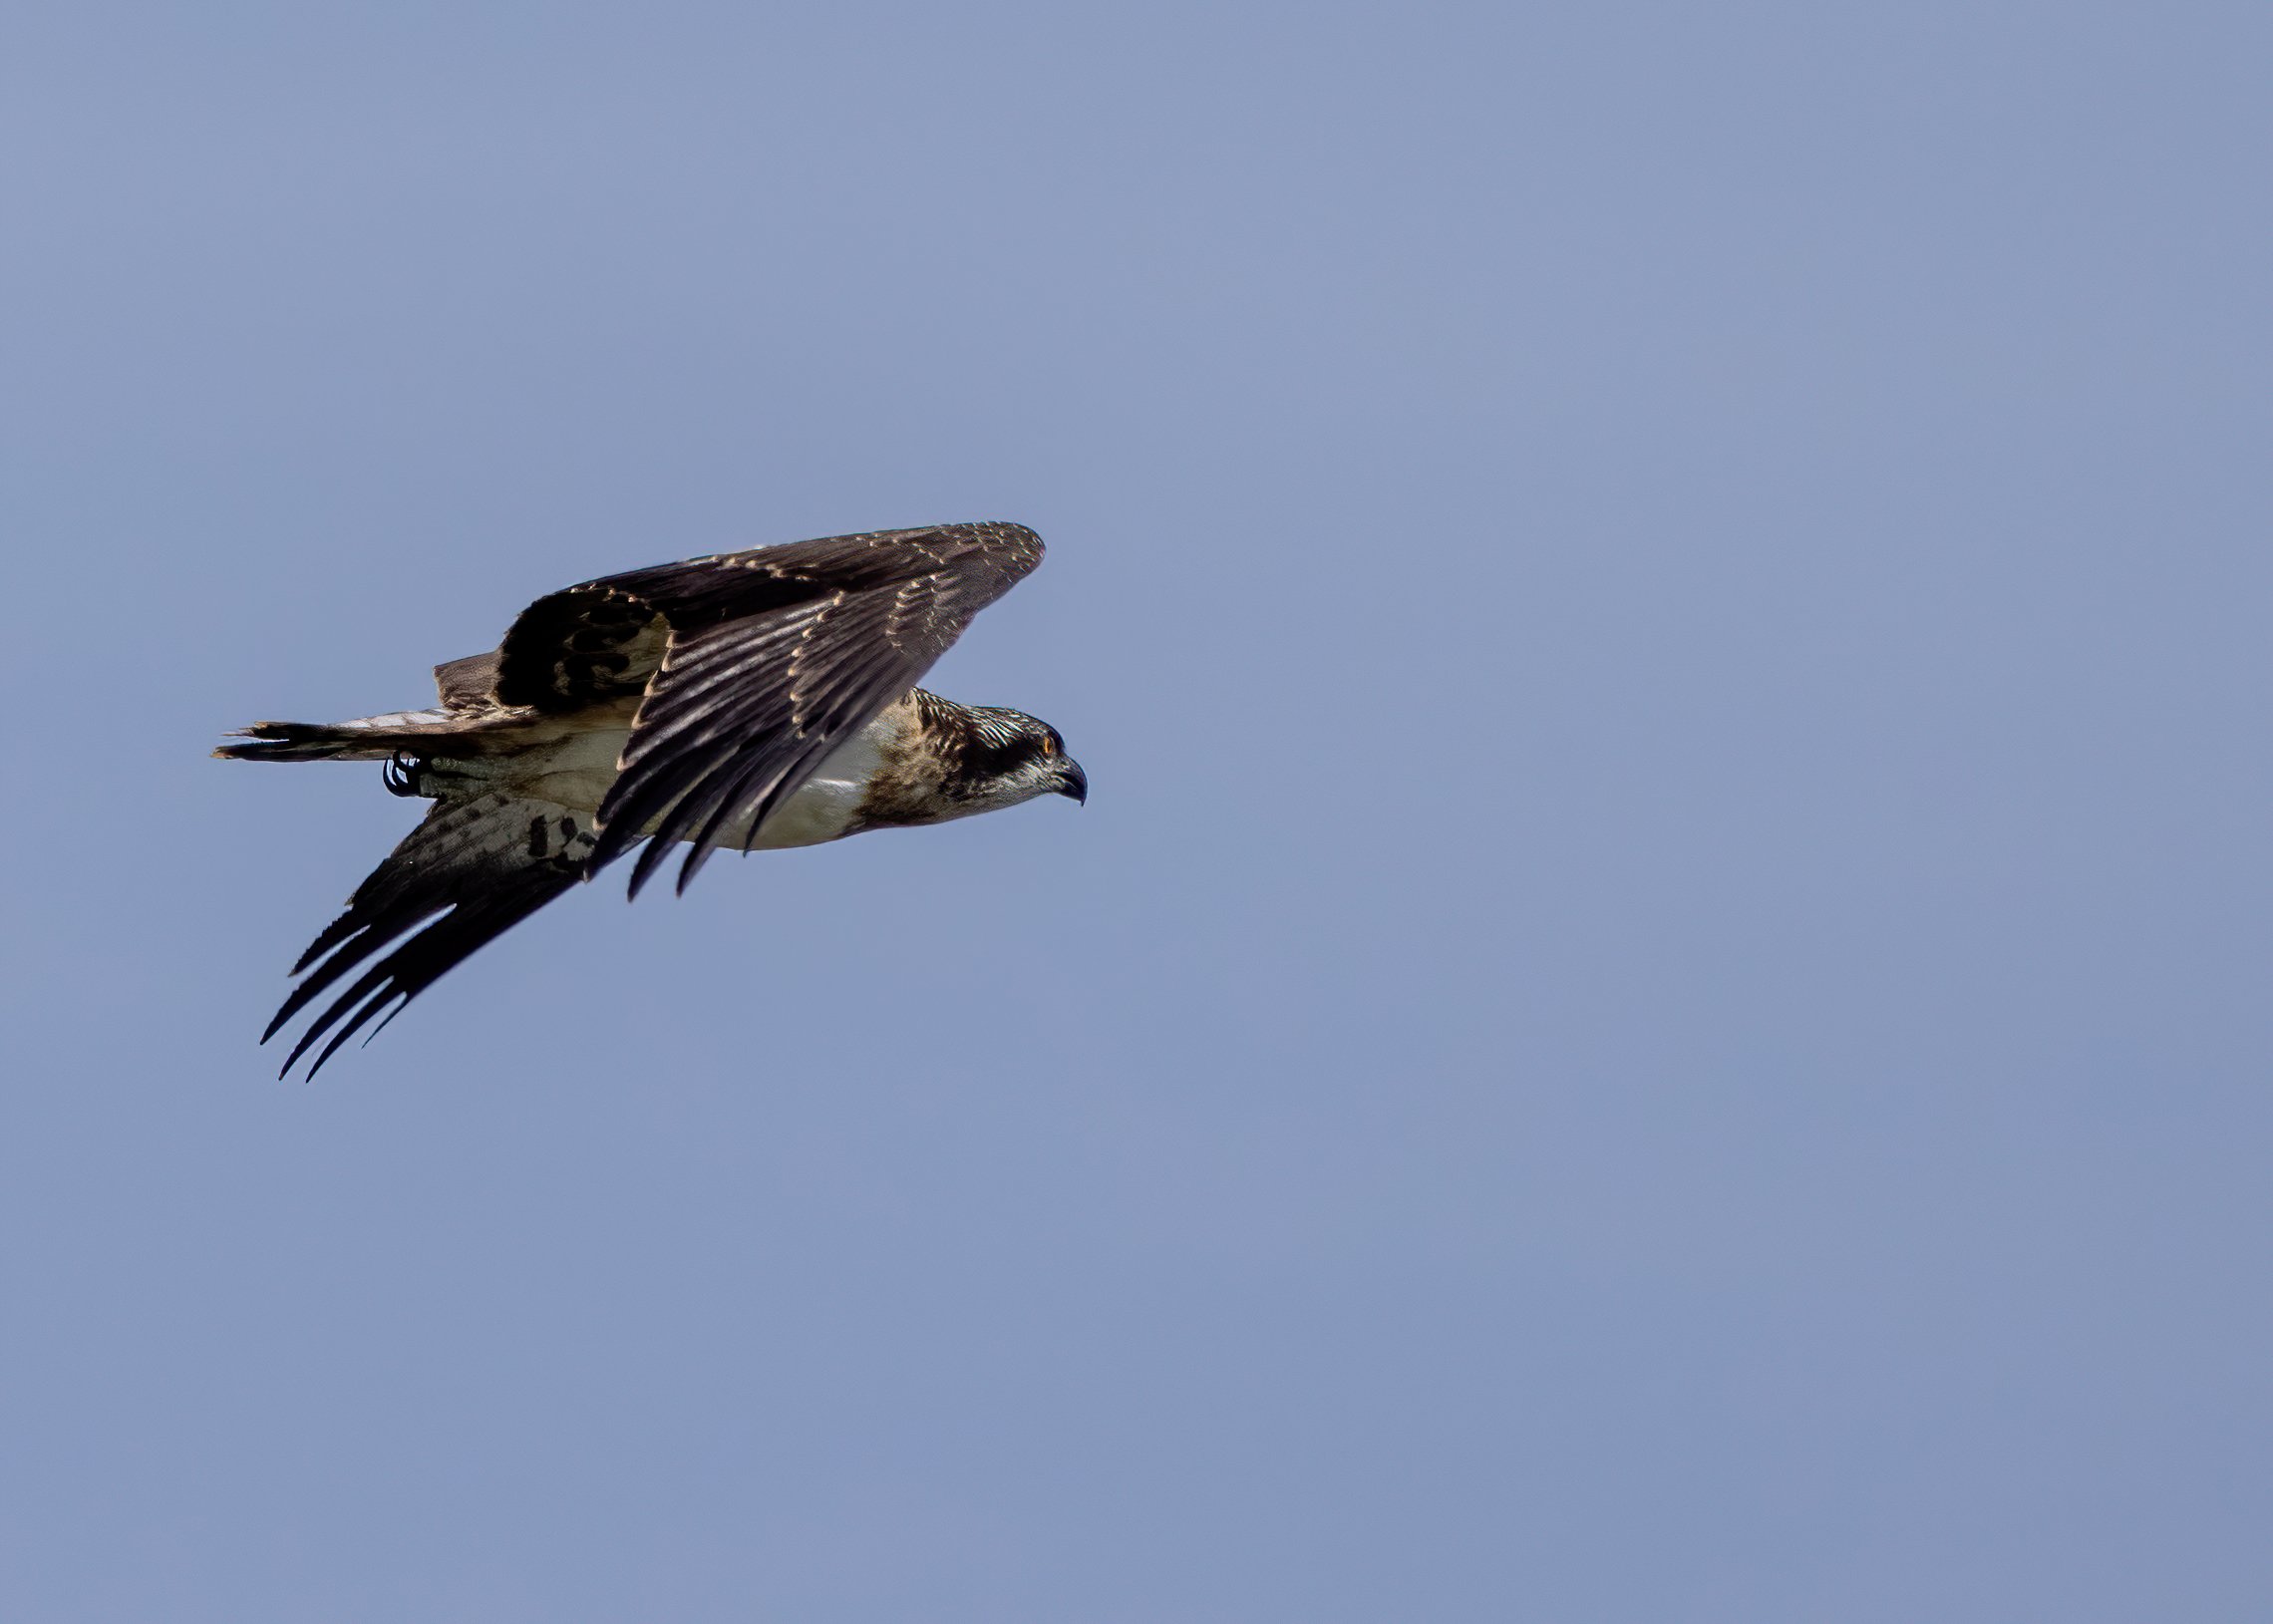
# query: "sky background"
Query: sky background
1664,1003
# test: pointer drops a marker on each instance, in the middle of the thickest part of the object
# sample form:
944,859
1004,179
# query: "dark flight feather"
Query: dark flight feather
482,864
768,660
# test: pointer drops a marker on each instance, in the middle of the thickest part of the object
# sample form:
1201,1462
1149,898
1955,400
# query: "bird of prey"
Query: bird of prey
753,699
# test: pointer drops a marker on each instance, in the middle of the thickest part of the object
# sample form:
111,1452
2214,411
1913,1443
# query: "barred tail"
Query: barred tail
367,739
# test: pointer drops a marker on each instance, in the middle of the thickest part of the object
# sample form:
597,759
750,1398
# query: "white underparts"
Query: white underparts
576,769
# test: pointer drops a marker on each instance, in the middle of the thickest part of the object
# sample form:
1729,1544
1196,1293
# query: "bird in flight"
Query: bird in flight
751,700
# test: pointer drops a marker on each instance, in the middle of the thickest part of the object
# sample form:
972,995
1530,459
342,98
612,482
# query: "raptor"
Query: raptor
746,700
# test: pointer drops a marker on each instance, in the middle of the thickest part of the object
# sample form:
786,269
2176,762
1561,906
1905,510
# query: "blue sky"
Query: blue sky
1660,1007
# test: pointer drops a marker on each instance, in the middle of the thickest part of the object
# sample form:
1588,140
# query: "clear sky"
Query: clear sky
1663,1007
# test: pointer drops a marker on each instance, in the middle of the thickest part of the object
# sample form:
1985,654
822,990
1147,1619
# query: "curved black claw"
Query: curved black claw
403,773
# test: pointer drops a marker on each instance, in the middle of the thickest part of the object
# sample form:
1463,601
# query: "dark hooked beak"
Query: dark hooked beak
1072,780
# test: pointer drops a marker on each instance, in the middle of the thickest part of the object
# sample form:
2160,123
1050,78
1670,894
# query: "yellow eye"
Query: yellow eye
1049,746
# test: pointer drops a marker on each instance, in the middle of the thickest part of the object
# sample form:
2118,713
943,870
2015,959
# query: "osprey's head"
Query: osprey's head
1011,757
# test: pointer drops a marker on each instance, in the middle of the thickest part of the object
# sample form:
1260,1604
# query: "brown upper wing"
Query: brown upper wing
754,666
469,684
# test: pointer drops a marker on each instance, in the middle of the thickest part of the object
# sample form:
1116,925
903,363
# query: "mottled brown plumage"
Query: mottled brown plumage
751,699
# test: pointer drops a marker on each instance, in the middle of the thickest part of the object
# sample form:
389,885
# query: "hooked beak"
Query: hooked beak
1072,780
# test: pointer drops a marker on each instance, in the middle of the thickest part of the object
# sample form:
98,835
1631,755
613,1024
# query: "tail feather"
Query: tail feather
366,739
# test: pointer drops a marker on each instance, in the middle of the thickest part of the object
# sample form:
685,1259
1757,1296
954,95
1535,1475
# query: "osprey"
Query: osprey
755,700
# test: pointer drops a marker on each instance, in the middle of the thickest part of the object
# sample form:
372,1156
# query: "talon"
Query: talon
402,772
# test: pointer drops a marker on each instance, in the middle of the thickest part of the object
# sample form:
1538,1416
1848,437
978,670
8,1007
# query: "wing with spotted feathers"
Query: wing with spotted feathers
753,667
484,864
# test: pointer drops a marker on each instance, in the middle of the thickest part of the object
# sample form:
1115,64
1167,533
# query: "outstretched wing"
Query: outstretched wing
753,665
484,864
